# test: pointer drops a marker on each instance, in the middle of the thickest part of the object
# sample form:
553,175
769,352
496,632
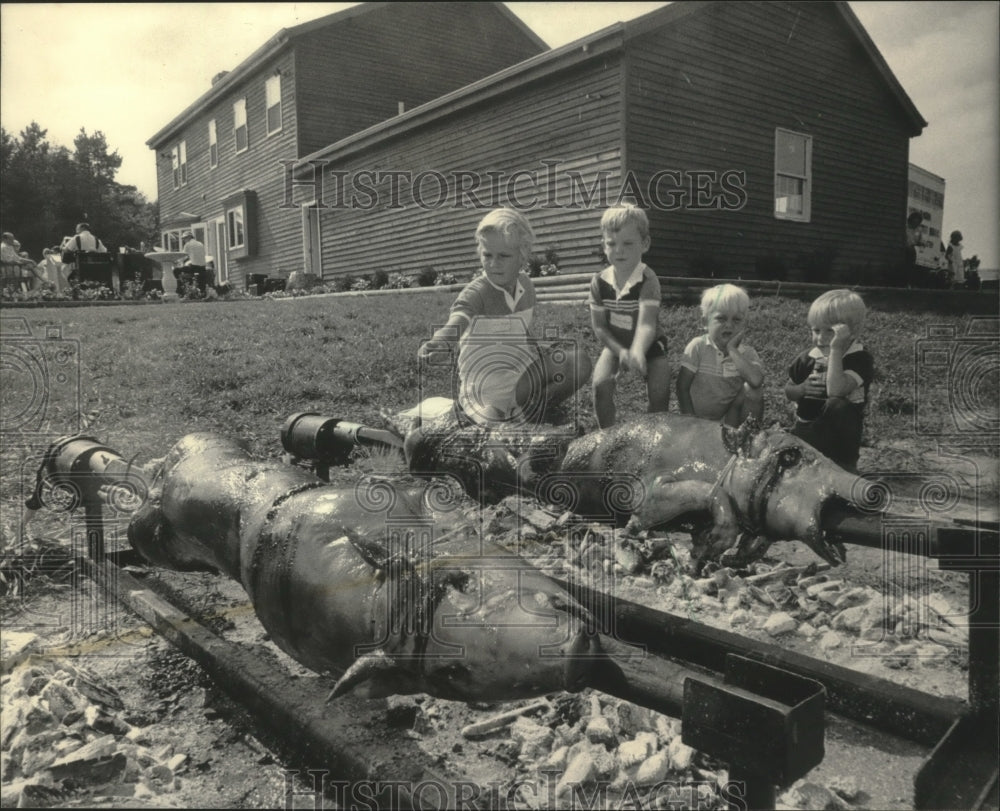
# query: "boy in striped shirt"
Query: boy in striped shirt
505,375
624,313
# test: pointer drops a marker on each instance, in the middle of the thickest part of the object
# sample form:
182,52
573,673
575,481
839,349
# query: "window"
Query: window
178,164
240,125
272,92
175,168
235,218
240,218
170,238
792,175
213,145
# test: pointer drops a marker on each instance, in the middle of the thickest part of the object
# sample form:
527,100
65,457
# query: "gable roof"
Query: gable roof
673,12
282,39
606,40
880,65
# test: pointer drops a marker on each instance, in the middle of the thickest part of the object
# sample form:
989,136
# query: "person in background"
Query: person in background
83,240
16,271
194,264
51,272
914,240
953,253
829,382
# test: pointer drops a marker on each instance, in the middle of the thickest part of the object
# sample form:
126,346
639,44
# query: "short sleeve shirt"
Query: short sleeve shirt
717,381
195,251
495,349
88,242
858,364
622,305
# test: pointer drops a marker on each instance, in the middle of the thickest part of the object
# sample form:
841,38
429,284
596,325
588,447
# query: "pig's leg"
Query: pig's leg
667,500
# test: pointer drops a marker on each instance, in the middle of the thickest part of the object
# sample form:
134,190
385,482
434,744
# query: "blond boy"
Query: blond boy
504,374
624,314
829,382
721,376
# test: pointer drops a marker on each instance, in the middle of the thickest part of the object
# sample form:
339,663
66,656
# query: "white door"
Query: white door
311,244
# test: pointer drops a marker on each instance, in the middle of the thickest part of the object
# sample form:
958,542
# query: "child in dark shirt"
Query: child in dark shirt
829,382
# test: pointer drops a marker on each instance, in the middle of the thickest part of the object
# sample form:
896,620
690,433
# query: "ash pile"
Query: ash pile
65,736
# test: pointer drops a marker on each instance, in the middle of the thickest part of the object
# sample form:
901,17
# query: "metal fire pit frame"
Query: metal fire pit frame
961,770
722,716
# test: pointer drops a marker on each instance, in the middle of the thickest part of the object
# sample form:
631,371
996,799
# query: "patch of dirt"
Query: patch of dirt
169,706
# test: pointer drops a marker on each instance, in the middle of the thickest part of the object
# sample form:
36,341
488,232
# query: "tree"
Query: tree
47,190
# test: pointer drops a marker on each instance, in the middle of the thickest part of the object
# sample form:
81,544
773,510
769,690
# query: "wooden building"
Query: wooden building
764,139
221,163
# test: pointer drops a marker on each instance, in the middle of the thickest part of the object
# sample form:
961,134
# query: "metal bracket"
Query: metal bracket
766,722
961,771
326,441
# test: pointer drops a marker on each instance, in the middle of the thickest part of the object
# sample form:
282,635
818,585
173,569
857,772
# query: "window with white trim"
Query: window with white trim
240,217
792,175
213,145
171,238
235,227
178,164
272,93
240,135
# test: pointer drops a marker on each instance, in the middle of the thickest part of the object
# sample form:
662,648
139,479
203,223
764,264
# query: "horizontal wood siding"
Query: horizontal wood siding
354,74
277,231
707,93
571,123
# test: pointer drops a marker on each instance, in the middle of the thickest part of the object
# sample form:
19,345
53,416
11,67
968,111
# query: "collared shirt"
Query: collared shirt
717,381
622,304
195,251
858,365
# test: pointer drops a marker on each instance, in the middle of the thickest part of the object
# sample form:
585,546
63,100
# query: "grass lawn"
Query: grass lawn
150,374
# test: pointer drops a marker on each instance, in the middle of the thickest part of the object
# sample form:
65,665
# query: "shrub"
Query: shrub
343,283
427,277
397,281
545,265
446,278
379,279
361,284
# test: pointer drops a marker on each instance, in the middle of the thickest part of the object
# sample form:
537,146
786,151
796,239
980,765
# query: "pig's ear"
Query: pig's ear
376,676
738,440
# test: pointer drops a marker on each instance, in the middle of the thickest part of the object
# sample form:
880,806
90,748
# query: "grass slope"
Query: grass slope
151,374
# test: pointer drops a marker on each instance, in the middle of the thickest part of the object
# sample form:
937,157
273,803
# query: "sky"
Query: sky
129,71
